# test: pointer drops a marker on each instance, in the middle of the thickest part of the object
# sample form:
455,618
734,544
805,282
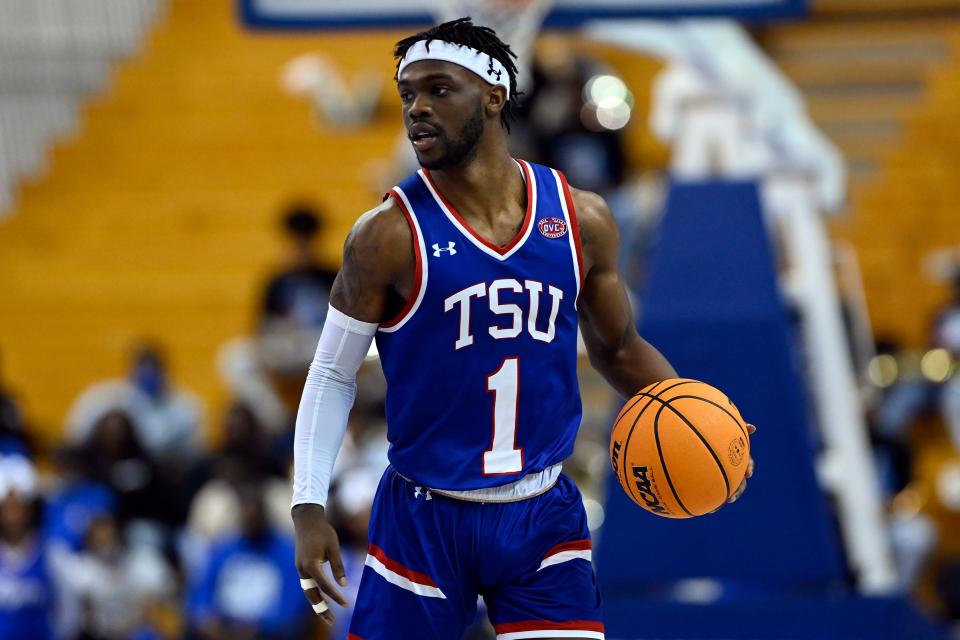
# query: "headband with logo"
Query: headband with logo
486,66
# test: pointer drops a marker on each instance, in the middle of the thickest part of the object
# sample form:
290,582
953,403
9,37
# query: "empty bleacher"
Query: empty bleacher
879,79
158,218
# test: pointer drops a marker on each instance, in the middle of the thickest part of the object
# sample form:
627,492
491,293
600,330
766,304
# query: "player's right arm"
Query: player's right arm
378,264
375,279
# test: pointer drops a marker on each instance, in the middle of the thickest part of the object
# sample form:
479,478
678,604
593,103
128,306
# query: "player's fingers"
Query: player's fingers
750,428
738,492
307,584
324,583
319,604
336,566
749,473
325,614
311,591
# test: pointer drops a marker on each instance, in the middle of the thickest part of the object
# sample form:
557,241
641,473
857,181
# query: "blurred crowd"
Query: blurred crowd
913,405
136,526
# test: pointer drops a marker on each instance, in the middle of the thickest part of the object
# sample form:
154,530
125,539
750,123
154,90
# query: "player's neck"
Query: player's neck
486,187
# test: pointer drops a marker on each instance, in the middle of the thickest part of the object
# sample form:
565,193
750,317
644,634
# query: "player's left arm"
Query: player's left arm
627,361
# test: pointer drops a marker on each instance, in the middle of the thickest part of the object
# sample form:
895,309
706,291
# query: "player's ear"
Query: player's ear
496,100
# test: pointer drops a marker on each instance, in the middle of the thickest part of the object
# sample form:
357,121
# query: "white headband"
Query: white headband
486,66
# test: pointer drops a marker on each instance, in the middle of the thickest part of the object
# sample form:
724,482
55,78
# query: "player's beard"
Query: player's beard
461,151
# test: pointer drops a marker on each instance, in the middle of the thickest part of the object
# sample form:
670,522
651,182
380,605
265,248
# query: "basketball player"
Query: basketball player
473,275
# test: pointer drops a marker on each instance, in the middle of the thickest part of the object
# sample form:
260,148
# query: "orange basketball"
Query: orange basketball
679,448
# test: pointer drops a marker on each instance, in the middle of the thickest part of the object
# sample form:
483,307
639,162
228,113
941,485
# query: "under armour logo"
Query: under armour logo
420,491
437,250
491,71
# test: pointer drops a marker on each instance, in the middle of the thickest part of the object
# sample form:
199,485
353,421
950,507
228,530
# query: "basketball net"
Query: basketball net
517,22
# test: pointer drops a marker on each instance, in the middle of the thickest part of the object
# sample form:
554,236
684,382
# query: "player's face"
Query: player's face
442,112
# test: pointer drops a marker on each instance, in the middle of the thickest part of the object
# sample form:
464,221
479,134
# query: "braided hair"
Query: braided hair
484,39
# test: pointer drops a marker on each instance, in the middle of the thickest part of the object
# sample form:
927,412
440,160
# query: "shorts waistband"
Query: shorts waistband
526,487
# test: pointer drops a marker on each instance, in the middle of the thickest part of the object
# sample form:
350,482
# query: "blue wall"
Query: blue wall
712,307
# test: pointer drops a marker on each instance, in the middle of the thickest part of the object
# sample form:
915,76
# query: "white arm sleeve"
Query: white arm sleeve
325,405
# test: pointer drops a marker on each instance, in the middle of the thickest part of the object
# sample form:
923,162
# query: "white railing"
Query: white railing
727,111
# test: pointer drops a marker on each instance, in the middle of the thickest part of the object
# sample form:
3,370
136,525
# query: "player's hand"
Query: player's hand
743,485
317,543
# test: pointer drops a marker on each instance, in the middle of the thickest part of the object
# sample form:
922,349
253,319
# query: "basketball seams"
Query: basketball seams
626,443
653,394
723,472
663,463
718,406
626,440
674,386
666,403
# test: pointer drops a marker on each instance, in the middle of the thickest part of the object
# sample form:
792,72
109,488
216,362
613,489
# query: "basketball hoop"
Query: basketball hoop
517,22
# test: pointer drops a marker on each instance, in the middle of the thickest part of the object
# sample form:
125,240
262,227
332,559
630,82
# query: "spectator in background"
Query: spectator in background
246,443
946,331
167,419
245,456
75,502
250,587
946,335
112,456
296,299
558,126
267,371
114,583
14,436
27,595
295,306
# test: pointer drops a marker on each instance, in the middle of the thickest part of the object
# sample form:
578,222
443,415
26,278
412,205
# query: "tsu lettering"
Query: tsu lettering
616,456
646,490
511,312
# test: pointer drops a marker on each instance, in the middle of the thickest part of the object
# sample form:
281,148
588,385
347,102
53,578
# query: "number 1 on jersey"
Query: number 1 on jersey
504,456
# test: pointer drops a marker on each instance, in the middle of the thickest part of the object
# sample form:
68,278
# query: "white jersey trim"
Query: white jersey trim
570,231
527,171
422,250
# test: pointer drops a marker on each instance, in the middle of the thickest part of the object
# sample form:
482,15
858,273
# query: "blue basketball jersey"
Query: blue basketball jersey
481,365
27,594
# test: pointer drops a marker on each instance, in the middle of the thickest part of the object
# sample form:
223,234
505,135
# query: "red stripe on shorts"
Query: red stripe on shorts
575,545
398,568
545,625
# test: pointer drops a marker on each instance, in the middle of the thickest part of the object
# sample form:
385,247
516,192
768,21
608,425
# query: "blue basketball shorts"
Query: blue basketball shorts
431,556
